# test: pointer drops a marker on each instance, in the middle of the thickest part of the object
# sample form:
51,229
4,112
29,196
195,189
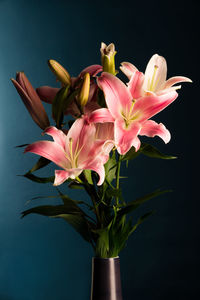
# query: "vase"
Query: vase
106,281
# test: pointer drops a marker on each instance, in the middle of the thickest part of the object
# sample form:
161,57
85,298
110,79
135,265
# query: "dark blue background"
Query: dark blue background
41,258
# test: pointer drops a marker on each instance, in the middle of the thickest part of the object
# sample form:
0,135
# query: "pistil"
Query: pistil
151,83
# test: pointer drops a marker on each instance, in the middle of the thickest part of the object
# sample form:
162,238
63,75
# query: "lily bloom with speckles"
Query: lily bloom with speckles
131,118
153,81
77,151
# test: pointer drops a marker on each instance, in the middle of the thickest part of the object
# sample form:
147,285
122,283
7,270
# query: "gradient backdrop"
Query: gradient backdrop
41,258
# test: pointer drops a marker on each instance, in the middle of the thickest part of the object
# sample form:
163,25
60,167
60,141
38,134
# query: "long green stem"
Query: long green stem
117,177
92,196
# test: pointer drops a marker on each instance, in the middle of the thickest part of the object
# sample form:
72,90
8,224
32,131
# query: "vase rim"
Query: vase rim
106,258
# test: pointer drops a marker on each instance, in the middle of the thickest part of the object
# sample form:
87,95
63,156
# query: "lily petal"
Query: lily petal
125,138
151,128
61,175
148,106
98,167
117,95
136,144
128,69
49,150
157,75
93,70
176,79
82,134
47,93
100,116
135,84
104,131
58,135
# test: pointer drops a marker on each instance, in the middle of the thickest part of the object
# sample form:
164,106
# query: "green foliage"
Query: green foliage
132,205
110,169
147,150
110,229
59,105
41,163
38,179
75,185
102,244
69,211
88,176
113,238
151,151
21,146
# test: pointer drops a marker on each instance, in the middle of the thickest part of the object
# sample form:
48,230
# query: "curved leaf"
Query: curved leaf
38,179
74,218
131,206
151,151
41,163
147,150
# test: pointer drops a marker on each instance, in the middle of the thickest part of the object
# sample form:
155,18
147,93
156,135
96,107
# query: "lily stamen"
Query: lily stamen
152,85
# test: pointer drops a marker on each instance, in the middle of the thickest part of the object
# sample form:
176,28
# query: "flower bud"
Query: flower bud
84,92
108,58
60,72
31,100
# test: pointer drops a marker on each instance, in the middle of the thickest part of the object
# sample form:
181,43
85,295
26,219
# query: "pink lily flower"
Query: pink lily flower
31,100
153,81
131,117
47,93
77,151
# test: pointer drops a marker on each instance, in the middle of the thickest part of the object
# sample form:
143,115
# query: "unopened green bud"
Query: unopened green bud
108,58
61,73
84,92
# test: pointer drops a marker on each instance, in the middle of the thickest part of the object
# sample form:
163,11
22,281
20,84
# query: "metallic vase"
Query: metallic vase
106,281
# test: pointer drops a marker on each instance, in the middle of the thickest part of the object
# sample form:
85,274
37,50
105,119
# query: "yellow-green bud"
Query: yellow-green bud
108,58
61,73
84,92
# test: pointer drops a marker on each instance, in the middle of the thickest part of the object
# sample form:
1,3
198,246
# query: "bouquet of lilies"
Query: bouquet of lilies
107,119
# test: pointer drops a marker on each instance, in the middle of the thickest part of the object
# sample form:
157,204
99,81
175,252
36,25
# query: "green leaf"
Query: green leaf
79,223
45,210
131,206
41,163
57,196
102,244
59,104
151,151
38,179
21,146
147,150
75,219
141,220
70,204
110,169
122,235
75,185
88,176
114,193
131,154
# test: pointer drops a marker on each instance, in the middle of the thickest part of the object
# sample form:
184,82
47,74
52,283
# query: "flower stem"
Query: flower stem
117,177
91,192
90,189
